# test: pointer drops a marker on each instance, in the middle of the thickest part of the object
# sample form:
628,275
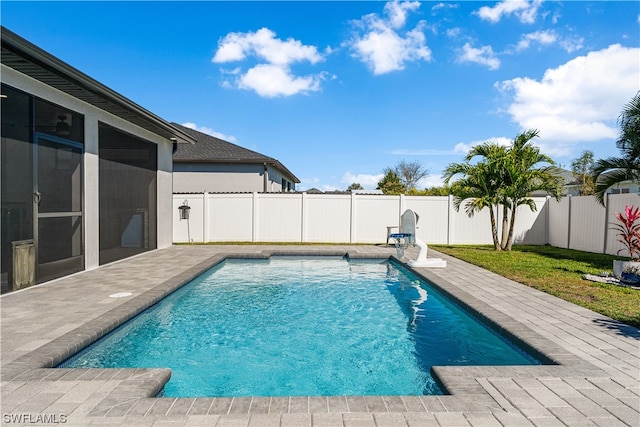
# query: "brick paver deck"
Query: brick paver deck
594,379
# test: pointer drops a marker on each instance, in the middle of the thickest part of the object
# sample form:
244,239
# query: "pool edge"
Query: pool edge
461,382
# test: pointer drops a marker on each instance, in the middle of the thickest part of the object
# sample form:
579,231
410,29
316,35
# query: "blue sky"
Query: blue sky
337,91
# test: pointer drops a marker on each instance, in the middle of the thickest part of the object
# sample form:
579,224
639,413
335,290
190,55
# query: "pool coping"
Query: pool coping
134,395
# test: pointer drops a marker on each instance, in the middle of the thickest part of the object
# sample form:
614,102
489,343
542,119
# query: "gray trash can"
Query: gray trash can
24,264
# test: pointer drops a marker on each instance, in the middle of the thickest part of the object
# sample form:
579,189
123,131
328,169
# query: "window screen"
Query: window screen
128,192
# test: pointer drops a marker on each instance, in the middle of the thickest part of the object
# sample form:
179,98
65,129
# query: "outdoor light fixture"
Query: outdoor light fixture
62,127
184,210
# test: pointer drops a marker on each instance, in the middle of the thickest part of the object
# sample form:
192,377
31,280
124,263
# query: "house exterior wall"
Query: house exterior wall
224,178
275,181
625,187
92,116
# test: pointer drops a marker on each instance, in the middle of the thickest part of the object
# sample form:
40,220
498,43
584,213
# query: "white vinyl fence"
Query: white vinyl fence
583,224
338,218
574,222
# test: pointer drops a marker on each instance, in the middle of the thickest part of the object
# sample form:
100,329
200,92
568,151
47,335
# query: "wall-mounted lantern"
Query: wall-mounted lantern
184,210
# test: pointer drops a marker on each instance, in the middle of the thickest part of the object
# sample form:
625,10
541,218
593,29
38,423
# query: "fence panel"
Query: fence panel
531,226
191,230
587,225
327,218
558,234
278,217
466,230
433,222
230,217
372,215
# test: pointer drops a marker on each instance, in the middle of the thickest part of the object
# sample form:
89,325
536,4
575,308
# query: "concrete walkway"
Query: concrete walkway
593,378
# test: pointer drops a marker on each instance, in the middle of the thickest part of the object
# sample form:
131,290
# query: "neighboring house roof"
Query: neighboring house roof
28,59
313,191
209,149
568,176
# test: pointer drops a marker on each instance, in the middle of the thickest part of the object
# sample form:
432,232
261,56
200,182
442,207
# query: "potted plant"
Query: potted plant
628,228
631,275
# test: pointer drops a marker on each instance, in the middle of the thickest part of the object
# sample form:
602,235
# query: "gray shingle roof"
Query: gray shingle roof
209,149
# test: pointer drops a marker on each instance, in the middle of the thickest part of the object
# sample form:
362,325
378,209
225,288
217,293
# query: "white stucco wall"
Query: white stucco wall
93,115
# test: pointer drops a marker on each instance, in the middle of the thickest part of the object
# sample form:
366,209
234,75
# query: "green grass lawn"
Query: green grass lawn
558,272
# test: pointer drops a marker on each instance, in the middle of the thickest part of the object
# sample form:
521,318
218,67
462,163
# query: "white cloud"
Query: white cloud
483,56
309,183
453,32
209,131
571,44
432,180
541,37
549,37
459,148
525,10
465,147
273,75
269,81
397,11
578,101
441,6
264,45
369,182
382,47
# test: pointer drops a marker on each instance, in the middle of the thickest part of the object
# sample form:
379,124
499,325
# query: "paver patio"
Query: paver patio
594,381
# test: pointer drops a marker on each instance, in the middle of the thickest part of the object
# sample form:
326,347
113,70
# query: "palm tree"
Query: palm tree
504,176
525,177
479,185
613,170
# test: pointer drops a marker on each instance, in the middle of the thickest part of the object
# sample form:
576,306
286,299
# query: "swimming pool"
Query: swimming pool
302,326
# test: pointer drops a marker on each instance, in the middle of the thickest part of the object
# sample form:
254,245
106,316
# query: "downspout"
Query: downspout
265,178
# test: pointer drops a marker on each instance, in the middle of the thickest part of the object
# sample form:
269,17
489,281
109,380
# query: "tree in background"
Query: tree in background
502,176
582,169
614,170
445,190
355,186
402,178
390,183
409,173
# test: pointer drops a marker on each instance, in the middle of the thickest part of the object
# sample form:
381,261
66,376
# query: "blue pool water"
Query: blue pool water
293,326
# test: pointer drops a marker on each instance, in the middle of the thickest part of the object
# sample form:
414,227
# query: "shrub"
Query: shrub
629,230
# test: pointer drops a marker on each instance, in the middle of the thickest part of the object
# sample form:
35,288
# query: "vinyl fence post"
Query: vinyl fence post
569,224
547,218
606,222
352,220
303,220
205,218
254,218
449,219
